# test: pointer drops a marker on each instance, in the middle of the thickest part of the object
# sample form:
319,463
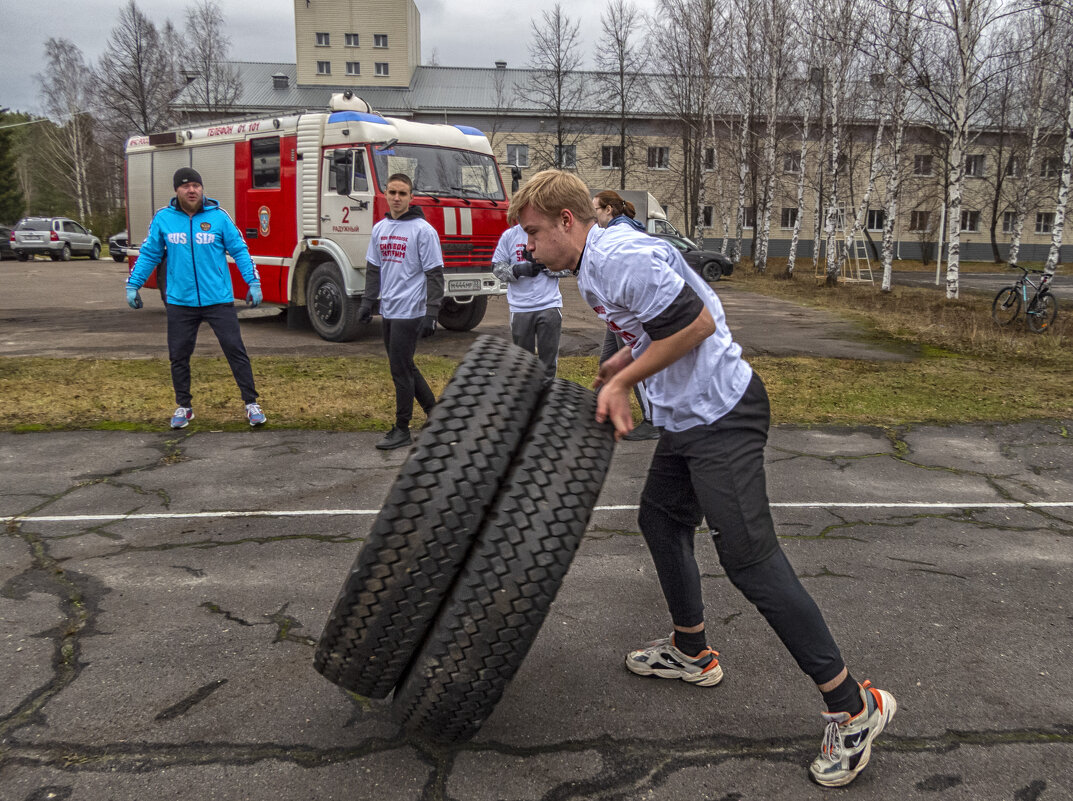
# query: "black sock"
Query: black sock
846,697
688,643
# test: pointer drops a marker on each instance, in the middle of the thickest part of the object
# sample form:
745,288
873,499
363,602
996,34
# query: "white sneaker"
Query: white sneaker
660,658
847,742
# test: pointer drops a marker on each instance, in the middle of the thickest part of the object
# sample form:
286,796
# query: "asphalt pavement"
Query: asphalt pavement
161,595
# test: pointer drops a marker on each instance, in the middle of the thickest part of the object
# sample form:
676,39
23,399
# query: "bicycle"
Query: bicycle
1040,310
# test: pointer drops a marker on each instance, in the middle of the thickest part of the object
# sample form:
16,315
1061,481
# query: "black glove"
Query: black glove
365,313
527,269
428,326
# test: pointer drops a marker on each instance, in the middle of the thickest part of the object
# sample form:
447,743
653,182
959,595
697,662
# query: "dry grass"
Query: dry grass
967,370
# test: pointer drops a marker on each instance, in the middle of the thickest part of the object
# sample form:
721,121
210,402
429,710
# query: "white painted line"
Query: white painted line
630,508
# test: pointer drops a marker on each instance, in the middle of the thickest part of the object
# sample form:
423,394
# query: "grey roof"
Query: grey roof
432,89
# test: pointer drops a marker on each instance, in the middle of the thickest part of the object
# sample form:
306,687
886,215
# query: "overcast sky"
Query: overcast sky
463,33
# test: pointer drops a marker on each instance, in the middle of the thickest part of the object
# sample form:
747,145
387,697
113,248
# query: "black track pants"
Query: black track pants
400,341
183,323
717,472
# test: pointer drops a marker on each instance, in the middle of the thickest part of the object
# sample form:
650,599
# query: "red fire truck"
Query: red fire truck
305,190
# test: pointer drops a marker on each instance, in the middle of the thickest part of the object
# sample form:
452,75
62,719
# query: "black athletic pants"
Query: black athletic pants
183,323
717,471
400,341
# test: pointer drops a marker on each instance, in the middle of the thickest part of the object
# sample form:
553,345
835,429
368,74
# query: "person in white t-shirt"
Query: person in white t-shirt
709,462
534,299
404,270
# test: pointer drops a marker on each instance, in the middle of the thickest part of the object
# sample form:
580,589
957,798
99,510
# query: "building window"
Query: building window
922,164
876,219
750,217
974,166
791,162
1050,167
324,68
1044,222
1009,219
659,158
353,68
788,218
709,159
324,40
566,156
706,214
1013,167
920,221
264,157
970,221
379,40
382,68
611,156
518,155
350,39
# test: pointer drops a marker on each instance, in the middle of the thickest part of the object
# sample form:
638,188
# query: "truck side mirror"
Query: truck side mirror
342,166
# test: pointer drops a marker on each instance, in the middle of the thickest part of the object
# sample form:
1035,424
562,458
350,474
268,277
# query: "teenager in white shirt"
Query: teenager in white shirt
404,270
709,462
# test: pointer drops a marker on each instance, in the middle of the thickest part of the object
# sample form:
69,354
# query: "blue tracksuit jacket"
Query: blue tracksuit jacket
198,274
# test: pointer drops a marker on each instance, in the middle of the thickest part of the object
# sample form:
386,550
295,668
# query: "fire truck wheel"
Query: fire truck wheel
332,313
510,579
456,316
424,531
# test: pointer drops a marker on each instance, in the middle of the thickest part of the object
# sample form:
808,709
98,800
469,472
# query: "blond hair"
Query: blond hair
551,191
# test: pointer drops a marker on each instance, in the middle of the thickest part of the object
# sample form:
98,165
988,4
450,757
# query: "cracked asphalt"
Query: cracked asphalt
161,594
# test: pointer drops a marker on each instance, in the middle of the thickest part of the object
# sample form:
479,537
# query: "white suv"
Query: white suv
58,237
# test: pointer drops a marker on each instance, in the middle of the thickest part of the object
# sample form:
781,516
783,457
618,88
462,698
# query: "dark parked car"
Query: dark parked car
57,237
5,243
711,265
118,246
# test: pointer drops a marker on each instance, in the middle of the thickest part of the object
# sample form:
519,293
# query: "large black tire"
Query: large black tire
463,316
118,257
424,531
95,253
513,574
65,254
332,313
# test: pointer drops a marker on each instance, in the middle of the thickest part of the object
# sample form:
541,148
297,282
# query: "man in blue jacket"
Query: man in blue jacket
193,233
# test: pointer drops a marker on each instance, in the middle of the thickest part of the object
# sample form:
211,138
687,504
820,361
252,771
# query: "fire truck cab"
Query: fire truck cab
305,190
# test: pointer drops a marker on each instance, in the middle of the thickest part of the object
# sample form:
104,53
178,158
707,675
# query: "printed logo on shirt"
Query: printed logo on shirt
392,249
206,226
204,239
177,238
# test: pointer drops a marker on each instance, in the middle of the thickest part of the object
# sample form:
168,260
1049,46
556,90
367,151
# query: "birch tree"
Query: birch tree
1065,65
555,85
620,61
964,55
205,52
687,34
1036,88
743,44
66,96
775,26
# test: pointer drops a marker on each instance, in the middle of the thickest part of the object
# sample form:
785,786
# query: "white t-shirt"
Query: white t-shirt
526,294
630,278
404,250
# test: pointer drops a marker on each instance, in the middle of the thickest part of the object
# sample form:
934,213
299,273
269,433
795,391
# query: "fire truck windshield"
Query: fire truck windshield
441,171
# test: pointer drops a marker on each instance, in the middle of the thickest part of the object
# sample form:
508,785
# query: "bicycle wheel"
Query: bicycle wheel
1041,312
1007,306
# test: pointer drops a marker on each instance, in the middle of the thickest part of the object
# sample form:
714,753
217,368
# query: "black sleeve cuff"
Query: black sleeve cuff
683,310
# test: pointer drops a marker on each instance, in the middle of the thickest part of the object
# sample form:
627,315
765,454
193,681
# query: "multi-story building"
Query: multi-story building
374,49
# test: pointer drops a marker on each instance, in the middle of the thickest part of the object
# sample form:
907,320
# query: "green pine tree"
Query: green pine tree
11,200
